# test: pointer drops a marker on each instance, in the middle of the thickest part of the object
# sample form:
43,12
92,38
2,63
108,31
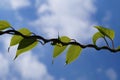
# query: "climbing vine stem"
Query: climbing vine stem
56,40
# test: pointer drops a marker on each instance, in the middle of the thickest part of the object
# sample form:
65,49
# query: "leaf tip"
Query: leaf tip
66,62
8,49
95,26
15,57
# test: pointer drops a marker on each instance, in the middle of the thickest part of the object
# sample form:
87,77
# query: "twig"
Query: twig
56,40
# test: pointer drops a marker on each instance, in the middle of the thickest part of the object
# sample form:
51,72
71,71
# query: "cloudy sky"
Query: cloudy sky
73,18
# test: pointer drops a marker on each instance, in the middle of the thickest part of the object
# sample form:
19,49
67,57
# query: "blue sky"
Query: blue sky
73,18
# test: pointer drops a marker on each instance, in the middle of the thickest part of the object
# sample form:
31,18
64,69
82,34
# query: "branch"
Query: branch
56,40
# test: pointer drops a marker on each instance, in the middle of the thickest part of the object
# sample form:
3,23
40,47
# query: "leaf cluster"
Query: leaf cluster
26,41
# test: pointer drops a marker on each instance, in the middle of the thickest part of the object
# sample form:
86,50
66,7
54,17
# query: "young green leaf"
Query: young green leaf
4,25
73,53
25,45
58,49
96,36
106,32
16,38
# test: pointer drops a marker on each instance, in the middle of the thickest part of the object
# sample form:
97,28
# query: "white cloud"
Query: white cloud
68,17
17,4
43,8
4,4
14,4
30,68
26,67
4,67
111,74
107,17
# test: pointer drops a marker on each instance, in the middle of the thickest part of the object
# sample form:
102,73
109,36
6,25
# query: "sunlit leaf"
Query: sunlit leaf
73,53
58,49
16,38
4,25
25,45
106,31
96,36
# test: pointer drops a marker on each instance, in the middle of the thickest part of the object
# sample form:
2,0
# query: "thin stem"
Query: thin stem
112,43
12,28
106,41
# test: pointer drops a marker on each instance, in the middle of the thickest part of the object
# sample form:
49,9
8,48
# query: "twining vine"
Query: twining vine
26,40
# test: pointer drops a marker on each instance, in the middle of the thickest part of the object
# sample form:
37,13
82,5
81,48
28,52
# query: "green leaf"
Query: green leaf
106,32
58,49
118,47
4,25
25,45
16,38
73,53
96,36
